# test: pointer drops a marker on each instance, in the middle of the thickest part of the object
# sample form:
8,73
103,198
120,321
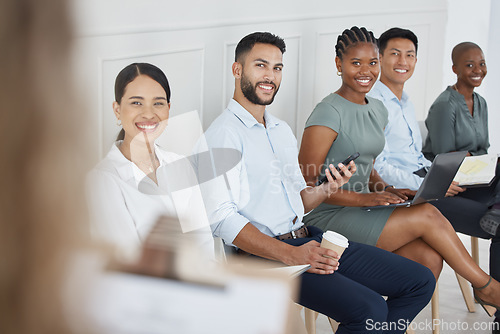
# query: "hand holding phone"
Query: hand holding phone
352,157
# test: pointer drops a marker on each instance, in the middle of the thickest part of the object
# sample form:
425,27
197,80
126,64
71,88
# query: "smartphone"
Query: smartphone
352,157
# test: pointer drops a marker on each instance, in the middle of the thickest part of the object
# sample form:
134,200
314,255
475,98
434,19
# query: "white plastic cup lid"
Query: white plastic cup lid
336,238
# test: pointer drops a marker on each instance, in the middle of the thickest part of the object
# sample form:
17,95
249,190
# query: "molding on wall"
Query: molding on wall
225,71
299,38
153,54
156,28
201,111
100,112
422,113
317,38
299,85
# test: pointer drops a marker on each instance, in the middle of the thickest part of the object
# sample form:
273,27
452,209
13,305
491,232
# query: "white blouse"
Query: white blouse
125,203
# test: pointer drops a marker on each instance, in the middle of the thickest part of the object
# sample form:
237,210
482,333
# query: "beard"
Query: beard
250,91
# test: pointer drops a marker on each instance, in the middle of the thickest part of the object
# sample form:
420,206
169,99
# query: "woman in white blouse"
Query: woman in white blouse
137,181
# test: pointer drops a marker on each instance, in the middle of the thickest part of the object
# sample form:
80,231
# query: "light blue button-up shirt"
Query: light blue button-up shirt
264,187
402,154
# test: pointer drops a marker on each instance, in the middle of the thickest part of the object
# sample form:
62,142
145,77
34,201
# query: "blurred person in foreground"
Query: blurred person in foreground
42,224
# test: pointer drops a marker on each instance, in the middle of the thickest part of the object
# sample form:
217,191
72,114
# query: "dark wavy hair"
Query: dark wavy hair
132,71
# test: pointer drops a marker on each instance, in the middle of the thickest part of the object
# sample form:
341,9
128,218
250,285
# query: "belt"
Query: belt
300,233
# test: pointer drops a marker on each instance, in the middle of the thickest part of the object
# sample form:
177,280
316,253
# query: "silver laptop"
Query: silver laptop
436,182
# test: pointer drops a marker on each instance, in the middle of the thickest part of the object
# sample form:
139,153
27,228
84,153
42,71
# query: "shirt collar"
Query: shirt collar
125,168
120,163
246,118
387,94
456,93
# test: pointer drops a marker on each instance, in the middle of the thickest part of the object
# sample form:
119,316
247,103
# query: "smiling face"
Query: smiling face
360,68
470,68
397,62
260,73
143,109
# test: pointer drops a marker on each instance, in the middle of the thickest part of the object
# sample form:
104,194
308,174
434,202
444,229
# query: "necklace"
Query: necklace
148,166
455,87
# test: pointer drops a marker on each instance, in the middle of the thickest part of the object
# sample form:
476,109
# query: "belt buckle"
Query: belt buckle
294,236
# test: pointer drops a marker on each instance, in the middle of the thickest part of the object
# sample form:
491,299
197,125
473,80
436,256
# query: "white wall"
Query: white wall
492,87
193,42
477,23
464,26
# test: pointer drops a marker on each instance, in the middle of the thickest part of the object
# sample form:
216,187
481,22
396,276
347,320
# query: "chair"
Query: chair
310,316
464,288
462,282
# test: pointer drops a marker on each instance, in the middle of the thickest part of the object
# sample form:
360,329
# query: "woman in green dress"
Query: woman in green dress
458,119
348,121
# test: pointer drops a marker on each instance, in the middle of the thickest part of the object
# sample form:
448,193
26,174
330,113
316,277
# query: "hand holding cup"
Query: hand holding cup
335,241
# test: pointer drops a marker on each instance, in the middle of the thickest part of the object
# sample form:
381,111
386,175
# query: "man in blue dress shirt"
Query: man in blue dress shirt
261,211
402,155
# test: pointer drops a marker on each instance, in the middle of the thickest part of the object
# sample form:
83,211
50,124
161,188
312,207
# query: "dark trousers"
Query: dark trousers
353,294
464,212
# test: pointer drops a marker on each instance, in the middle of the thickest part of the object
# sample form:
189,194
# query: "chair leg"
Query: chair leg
310,317
435,310
410,331
466,293
474,251
464,285
474,243
333,324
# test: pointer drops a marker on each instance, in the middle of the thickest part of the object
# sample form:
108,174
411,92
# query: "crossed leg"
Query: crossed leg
419,251
425,222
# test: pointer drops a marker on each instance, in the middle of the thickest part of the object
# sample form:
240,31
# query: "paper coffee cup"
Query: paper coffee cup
334,241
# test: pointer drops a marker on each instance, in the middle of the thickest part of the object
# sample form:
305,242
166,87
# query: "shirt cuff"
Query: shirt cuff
231,227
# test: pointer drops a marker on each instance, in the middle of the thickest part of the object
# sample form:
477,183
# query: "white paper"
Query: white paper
127,304
478,169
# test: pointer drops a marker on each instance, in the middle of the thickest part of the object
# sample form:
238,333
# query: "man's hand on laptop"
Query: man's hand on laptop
311,253
454,189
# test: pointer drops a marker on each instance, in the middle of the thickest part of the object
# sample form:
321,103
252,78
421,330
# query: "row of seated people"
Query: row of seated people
267,204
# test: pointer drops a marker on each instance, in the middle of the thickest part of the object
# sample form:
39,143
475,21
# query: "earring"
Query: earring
118,122
339,73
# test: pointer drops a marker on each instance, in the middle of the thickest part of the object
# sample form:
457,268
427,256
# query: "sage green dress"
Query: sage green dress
360,129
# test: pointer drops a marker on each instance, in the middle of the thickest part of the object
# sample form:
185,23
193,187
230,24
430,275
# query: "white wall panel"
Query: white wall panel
492,92
326,80
193,42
